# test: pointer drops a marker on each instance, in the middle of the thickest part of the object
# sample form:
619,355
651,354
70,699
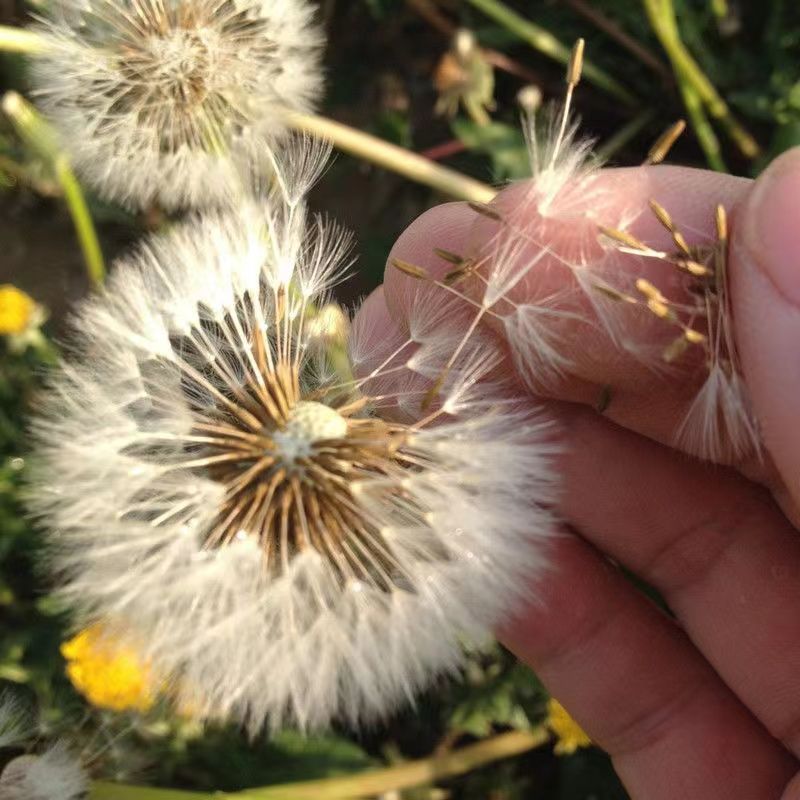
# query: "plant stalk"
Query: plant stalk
360,144
42,140
544,41
663,20
19,40
355,787
703,130
394,158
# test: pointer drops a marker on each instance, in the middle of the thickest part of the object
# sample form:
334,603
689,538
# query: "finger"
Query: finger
638,687
641,397
793,789
647,665
766,293
715,545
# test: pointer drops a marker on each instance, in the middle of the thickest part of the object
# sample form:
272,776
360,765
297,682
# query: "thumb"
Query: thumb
765,275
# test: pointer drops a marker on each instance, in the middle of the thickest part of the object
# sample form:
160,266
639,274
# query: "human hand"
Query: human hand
707,706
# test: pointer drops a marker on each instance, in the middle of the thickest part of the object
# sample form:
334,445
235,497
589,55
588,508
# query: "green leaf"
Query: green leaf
503,144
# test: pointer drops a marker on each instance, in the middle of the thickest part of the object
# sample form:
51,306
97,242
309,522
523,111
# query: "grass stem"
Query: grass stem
542,40
19,40
703,130
394,158
661,14
37,134
355,787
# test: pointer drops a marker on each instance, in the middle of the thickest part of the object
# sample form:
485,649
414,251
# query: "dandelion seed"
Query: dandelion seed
661,147
554,205
154,99
719,424
222,487
464,77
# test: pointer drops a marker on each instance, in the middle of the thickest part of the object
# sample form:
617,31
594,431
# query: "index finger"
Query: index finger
596,368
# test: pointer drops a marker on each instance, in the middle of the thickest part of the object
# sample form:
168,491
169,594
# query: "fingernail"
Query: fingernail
772,229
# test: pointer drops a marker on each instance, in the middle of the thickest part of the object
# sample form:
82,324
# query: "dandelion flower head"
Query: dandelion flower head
110,674
155,100
18,311
570,736
222,474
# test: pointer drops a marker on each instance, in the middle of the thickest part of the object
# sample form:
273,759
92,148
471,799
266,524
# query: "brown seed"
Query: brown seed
661,310
675,349
623,238
694,337
693,267
663,215
446,255
485,211
721,218
575,66
650,291
661,147
411,270
613,294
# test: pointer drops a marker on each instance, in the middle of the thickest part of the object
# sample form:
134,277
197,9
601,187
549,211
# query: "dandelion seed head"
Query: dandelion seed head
54,775
156,101
225,488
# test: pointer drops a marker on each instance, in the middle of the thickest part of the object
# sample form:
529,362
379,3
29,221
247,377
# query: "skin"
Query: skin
705,705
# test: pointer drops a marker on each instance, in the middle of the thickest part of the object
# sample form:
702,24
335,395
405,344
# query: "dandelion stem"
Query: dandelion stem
41,139
405,776
117,791
18,40
661,14
394,158
352,787
544,41
702,127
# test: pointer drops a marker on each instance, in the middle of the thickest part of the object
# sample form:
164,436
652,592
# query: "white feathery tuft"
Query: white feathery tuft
550,274
16,723
720,425
219,489
157,102
54,775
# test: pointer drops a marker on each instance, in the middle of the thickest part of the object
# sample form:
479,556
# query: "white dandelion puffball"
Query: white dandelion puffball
54,775
220,484
155,99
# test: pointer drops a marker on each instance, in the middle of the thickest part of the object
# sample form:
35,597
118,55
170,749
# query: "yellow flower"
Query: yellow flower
569,735
108,673
18,311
